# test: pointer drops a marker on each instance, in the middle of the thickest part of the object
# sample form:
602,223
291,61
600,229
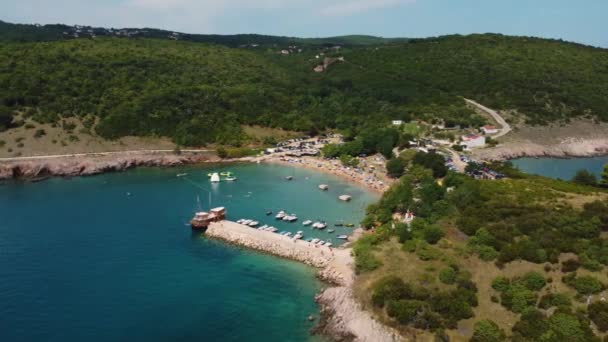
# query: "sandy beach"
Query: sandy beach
372,179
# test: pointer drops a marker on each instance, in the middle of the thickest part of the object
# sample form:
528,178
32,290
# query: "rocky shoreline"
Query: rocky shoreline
39,169
342,318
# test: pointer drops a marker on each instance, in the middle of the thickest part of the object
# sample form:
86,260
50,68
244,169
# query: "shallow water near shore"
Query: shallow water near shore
80,259
563,168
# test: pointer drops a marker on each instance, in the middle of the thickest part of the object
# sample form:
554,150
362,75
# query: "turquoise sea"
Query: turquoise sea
563,168
110,258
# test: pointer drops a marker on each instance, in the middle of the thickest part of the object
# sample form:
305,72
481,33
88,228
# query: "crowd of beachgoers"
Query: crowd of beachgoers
370,172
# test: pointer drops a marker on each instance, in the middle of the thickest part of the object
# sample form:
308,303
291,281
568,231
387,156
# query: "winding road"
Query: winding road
506,128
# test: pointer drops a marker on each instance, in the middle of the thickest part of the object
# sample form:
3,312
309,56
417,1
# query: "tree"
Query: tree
605,175
487,331
222,153
6,118
349,161
395,167
448,275
598,313
584,177
432,234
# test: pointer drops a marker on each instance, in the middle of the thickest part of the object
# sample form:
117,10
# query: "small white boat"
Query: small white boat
314,241
345,198
290,218
307,223
323,187
182,174
253,223
264,226
320,243
298,236
273,229
240,221
246,222
215,178
342,237
319,225
230,179
280,215
328,244
331,231
288,234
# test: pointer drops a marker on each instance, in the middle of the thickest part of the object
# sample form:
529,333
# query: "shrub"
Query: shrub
570,265
389,288
39,133
584,177
598,313
29,126
487,331
404,311
448,275
517,298
2,143
534,281
501,284
584,285
395,167
432,234
554,299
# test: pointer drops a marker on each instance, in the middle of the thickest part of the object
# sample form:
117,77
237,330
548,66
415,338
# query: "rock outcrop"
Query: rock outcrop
37,169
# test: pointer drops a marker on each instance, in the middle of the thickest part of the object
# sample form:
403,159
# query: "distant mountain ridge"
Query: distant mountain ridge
53,32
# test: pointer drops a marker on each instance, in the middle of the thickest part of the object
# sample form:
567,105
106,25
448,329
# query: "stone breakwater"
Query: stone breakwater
342,318
37,169
271,243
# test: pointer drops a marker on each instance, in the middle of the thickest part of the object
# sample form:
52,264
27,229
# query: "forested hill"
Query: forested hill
200,93
45,33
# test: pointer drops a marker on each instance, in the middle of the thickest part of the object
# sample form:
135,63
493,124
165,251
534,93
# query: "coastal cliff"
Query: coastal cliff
36,169
572,147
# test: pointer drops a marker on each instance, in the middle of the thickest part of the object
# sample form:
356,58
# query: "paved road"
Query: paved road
506,128
96,154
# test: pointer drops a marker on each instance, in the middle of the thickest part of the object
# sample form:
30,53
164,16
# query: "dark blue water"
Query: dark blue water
80,260
560,167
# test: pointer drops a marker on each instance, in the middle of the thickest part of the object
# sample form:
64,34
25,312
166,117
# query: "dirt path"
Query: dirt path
506,128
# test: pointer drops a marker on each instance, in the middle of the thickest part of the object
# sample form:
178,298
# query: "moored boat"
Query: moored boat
307,223
342,237
280,215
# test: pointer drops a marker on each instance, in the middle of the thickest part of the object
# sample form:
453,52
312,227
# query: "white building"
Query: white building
489,129
473,140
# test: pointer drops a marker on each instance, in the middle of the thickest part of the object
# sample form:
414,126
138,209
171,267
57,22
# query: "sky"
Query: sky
582,21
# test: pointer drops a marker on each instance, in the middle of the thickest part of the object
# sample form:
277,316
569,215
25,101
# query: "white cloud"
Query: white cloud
345,8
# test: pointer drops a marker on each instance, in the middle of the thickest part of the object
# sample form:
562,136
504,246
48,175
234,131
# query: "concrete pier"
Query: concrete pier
272,243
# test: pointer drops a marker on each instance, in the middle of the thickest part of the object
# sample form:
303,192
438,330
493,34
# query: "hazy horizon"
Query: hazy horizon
557,19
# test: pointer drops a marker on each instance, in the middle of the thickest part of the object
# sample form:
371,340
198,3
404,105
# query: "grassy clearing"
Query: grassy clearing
451,250
258,135
34,139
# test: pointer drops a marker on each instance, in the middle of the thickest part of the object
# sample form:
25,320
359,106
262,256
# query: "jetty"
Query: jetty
269,242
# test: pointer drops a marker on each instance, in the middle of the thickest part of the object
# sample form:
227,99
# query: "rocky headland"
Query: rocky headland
91,164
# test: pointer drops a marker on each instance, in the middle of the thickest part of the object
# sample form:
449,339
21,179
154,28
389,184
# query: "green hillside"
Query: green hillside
544,79
200,93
